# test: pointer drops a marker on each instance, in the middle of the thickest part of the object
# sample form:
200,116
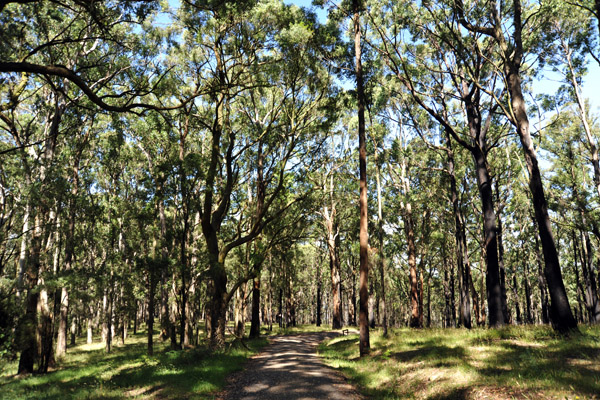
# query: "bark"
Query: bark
103,314
61,340
336,289
73,330
23,253
516,295
90,329
448,294
240,311
542,285
528,315
415,317
217,292
165,318
452,296
493,284
505,310
183,259
428,299
578,283
109,312
45,331
560,311
381,259
591,294
26,332
364,343
150,323
354,308
255,323
461,243
319,300
371,306
280,312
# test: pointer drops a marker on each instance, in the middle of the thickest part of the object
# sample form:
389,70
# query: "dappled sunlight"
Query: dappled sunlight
91,373
481,364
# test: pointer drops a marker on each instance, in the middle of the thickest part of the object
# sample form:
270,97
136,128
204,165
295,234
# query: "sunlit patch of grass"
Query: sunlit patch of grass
513,362
88,372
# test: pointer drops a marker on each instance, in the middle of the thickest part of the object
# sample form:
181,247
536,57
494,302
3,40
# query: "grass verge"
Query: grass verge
509,363
88,372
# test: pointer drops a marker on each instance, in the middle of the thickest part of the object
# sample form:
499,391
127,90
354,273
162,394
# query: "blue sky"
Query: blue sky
546,85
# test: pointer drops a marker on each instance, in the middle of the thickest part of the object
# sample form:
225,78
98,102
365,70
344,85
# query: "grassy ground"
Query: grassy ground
88,372
511,363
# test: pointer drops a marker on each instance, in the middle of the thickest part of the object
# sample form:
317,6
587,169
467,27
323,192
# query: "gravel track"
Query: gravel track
289,368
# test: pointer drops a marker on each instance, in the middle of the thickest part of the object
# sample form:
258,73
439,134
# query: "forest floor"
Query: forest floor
88,372
290,369
510,363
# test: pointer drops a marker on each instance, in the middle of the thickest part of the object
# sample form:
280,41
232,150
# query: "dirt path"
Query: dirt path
289,368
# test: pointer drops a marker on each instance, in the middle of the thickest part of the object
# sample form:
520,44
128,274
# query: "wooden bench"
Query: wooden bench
344,332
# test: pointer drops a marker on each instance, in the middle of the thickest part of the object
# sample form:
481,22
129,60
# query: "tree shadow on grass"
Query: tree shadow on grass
129,372
440,354
564,364
462,393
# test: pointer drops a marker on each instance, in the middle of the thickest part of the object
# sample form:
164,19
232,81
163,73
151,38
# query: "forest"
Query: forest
186,168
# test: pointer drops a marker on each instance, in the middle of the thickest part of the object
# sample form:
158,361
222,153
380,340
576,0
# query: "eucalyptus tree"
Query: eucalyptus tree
568,38
39,121
404,183
571,173
332,219
90,45
513,46
453,91
357,8
262,98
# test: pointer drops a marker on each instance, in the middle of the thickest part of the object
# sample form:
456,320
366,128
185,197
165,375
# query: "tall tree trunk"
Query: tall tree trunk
217,292
364,342
240,311
150,322
26,332
371,305
505,310
280,309
61,341
464,269
24,249
334,266
528,316
255,323
493,283
512,54
591,293
318,305
165,317
578,283
45,331
452,296
90,329
461,243
542,285
415,318
516,295
381,260
103,314
561,316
